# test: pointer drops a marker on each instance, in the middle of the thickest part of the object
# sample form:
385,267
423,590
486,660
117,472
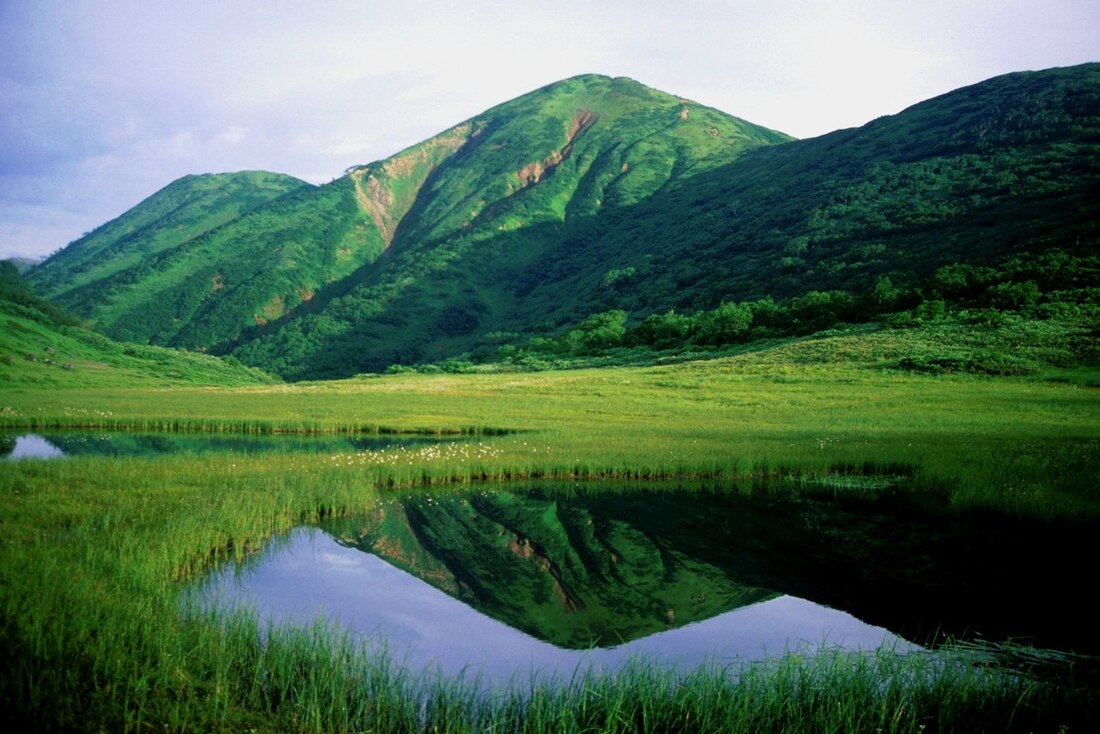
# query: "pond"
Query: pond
424,628
53,445
508,582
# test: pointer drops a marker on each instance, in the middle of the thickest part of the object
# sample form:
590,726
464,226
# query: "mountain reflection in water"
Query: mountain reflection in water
592,566
550,577
422,628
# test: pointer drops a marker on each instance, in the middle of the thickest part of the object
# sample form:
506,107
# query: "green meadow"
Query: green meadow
96,550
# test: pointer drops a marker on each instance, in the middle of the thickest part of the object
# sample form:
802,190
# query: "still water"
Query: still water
309,574
53,445
29,446
512,581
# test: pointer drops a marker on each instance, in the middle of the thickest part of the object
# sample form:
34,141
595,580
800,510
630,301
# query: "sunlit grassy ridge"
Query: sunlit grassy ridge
181,211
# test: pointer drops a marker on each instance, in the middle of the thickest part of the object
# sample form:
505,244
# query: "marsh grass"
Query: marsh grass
94,551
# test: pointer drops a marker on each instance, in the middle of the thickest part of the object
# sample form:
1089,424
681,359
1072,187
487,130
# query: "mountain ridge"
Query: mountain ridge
196,203
597,192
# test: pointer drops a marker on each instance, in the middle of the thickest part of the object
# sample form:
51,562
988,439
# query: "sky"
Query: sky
103,102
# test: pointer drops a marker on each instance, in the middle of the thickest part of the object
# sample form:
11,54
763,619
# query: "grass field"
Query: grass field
94,549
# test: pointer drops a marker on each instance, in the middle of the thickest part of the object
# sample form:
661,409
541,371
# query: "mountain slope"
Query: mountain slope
181,211
1005,167
557,153
594,194
532,171
41,346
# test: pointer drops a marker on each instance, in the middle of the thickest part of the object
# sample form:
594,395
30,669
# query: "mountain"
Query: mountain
597,193
185,209
556,154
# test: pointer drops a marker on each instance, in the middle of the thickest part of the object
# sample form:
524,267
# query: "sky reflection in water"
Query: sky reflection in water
18,445
33,446
310,574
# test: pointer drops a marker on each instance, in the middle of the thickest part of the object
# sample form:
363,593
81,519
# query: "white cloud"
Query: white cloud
234,135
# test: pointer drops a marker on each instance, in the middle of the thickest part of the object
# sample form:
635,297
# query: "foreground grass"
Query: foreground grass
1026,445
94,549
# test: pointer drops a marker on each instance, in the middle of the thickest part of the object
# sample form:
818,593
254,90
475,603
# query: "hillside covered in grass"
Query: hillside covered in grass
185,209
515,166
598,205
43,346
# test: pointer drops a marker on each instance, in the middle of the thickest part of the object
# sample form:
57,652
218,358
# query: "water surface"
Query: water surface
29,446
308,574
57,444
509,580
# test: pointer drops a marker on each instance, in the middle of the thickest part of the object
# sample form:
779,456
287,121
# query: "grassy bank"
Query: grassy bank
1019,444
94,549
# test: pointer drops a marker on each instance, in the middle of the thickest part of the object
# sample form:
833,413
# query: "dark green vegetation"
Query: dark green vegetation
42,345
599,195
1025,315
598,565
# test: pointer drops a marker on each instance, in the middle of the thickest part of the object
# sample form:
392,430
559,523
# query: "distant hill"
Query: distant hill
594,194
185,209
41,345
23,264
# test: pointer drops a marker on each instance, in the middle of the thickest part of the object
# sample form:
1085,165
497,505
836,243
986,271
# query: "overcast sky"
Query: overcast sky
104,102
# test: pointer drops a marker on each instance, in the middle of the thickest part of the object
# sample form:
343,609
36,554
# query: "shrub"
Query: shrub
728,324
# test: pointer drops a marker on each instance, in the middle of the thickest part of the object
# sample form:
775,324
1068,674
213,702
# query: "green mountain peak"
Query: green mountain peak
591,194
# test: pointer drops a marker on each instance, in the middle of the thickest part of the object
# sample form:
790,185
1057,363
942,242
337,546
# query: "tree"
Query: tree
1014,296
598,331
663,331
727,324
